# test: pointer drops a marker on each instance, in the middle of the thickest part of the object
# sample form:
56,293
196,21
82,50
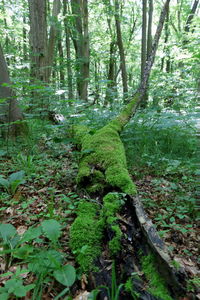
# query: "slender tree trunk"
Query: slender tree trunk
61,60
121,49
191,15
9,109
144,37
149,63
52,38
149,33
144,47
38,39
24,32
81,43
68,50
111,73
166,48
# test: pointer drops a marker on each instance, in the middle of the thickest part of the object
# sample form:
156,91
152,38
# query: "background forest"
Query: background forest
66,66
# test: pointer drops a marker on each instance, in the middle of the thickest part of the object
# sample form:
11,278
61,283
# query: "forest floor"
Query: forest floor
50,191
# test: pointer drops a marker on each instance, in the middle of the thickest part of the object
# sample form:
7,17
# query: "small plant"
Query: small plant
15,286
26,163
113,291
12,183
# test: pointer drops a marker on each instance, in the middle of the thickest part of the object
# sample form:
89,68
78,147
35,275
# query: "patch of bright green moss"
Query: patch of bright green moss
156,282
105,153
86,235
107,156
115,243
130,289
112,203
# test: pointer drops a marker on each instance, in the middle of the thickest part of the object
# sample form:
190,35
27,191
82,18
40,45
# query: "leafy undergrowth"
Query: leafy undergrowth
172,205
39,199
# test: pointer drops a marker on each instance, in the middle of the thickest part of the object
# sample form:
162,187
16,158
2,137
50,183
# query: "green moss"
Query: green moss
112,204
107,156
156,282
86,235
130,289
115,243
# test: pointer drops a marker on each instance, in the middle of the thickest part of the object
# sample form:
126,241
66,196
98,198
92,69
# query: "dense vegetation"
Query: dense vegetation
73,151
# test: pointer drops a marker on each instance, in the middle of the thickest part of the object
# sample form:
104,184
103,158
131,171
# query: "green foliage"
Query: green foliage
15,286
65,275
52,230
163,142
12,183
130,289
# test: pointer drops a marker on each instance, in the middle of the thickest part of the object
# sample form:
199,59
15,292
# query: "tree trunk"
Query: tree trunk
68,50
61,60
38,39
191,15
81,42
121,49
149,34
9,109
144,54
52,38
111,74
144,37
166,48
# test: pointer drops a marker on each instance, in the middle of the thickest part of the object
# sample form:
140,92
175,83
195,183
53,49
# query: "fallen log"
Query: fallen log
100,234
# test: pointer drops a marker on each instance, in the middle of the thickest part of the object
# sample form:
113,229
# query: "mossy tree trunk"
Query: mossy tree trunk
104,162
103,168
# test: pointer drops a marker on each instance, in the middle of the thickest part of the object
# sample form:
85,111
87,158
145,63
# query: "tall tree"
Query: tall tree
52,38
68,50
38,39
149,31
144,37
191,15
81,43
10,113
121,49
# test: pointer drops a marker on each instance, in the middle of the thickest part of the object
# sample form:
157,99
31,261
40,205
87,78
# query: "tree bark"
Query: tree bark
144,37
10,113
68,50
191,15
149,33
52,38
111,73
121,49
81,42
38,39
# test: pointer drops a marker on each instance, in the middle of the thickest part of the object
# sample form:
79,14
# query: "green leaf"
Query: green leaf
31,234
17,176
7,232
20,291
4,182
51,229
66,275
23,252
4,296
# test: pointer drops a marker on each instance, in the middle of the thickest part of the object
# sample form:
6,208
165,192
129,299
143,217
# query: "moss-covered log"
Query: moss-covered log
103,163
